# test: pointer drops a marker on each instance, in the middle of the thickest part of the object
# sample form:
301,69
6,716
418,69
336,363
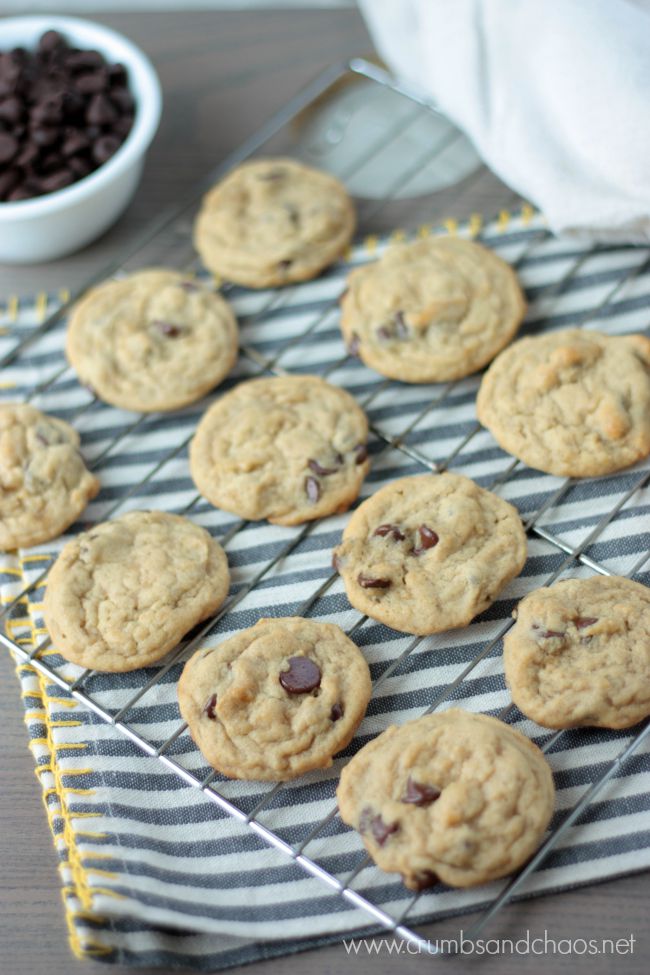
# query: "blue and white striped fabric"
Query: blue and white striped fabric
154,872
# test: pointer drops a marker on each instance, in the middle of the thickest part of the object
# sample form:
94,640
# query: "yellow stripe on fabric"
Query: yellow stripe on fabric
80,892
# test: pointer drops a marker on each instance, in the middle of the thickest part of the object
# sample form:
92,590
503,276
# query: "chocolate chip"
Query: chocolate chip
74,143
583,621
361,452
336,562
100,111
400,327
319,469
423,880
336,713
367,582
389,530
50,42
354,345
419,794
190,286
385,333
11,110
370,822
92,83
168,329
44,136
8,147
55,181
8,180
84,60
285,265
208,710
428,539
551,634
105,147
20,193
312,488
302,676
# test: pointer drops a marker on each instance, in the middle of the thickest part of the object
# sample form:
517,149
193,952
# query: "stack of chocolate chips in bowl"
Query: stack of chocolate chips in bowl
63,113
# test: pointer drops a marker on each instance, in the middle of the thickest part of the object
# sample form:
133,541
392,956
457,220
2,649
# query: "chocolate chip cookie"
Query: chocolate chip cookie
121,596
432,310
44,483
428,553
574,403
288,449
456,797
155,340
276,700
273,221
579,654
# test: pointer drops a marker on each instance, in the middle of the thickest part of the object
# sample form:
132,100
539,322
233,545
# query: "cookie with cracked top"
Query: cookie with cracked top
574,403
273,221
122,595
44,483
289,449
430,552
431,310
275,700
579,653
457,797
154,340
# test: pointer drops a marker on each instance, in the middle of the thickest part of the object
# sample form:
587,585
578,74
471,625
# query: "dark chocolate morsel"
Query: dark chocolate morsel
209,708
168,329
312,488
371,822
361,452
389,530
101,111
8,147
336,712
319,469
367,582
419,794
303,675
550,634
105,147
424,879
336,562
428,539
583,621
400,326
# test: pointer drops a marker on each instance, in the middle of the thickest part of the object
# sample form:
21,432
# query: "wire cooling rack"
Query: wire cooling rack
171,239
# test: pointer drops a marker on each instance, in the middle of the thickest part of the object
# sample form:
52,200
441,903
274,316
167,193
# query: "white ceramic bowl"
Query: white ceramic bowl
50,226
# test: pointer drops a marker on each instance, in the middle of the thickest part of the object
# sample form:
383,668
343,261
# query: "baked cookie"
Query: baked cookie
155,340
275,700
579,654
122,595
574,403
273,221
455,796
289,449
428,553
44,483
432,310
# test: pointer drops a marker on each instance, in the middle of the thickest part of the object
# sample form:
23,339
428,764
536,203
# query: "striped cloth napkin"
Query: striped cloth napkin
154,873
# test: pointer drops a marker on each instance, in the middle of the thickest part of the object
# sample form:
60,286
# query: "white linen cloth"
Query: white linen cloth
555,97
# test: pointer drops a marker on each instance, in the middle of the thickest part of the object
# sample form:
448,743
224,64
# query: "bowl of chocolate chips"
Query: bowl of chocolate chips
79,106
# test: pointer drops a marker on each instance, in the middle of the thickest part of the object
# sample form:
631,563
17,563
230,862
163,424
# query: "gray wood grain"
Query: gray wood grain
222,74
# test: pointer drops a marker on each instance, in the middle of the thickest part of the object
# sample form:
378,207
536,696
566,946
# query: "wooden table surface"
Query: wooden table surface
223,73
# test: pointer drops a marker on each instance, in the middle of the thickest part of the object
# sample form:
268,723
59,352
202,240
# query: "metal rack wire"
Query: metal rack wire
172,221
